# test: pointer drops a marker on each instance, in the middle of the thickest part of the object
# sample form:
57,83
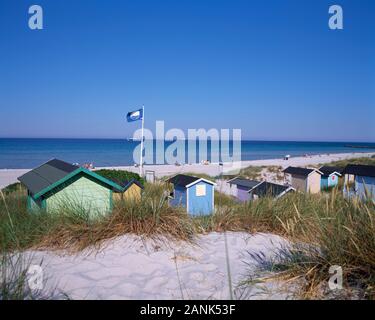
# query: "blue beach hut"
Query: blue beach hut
359,181
193,193
330,176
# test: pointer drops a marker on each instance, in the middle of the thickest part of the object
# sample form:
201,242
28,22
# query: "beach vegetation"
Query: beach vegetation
17,186
16,277
252,172
337,231
13,278
370,161
119,175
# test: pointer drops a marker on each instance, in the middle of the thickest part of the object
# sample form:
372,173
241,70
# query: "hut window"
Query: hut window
200,190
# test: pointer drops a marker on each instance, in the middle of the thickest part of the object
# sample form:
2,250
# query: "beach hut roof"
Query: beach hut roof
301,171
242,182
53,173
360,170
127,183
182,180
268,188
46,174
328,170
186,181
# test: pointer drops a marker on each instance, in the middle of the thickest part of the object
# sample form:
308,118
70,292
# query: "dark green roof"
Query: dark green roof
271,189
245,183
300,171
328,170
46,174
182,180
55,172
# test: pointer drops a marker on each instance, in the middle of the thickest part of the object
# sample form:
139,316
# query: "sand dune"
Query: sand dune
132,268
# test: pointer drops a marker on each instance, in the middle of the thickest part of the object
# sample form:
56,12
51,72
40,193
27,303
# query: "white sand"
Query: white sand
131,268
214,169
8,176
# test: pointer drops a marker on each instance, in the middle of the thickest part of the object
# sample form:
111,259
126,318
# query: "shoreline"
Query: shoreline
8,176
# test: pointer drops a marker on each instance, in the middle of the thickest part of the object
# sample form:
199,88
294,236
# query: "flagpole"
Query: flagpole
141,162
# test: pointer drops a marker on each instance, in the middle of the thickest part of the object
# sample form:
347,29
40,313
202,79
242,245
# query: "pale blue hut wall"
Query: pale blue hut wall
365,185
329,181
179,198
201,205
243,194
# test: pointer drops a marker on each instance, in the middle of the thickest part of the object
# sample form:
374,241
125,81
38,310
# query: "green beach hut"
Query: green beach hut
57,186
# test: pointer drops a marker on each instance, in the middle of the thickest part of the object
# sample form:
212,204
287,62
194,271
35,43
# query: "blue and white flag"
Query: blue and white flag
135,115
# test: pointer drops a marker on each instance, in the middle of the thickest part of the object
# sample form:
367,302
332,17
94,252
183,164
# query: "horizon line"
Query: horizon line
126,139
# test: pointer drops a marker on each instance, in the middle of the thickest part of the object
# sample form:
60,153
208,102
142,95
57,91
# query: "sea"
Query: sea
18,153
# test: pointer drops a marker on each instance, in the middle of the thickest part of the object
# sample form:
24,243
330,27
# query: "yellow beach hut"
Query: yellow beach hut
131,190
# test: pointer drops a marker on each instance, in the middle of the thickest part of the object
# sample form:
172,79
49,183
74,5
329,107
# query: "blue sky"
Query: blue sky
272,68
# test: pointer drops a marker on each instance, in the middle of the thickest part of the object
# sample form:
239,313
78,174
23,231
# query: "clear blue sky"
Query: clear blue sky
272,68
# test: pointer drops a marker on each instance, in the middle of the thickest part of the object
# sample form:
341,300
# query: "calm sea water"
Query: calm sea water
28,153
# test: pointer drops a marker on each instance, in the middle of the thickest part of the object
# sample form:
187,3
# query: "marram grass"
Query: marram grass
342,230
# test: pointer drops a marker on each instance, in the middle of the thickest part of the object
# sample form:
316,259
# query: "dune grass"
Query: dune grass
337,231
255,172
252,172
342,230
343,163
13,278
17,186
71,228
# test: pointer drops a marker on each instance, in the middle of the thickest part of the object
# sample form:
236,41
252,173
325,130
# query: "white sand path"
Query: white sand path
130,268
8,176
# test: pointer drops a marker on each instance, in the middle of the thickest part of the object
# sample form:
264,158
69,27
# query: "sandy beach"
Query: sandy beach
130,267
8,176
